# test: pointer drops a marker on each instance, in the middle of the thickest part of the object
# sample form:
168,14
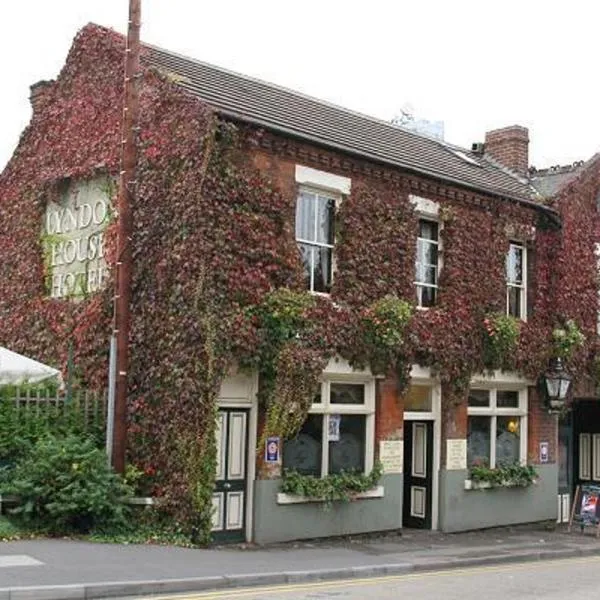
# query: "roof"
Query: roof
295,114
549,181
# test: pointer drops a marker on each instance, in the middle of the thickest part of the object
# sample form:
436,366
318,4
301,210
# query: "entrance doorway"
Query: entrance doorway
229,497
418,474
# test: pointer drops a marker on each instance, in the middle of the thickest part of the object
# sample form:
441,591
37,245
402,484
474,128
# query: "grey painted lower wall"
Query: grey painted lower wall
461,510
277,523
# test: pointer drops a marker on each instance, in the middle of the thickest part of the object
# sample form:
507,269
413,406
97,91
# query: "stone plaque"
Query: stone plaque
391,455
456,455
73,238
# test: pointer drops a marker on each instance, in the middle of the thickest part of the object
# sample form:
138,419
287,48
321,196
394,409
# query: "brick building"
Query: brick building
318,154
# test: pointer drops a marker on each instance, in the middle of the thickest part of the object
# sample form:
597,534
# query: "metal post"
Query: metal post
127,188
110,409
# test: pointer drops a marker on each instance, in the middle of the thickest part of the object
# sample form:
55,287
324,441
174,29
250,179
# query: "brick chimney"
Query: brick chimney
510,147
36,92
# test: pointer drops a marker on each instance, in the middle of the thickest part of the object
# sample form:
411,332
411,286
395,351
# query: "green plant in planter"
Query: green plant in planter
501,338
505,475
338,487
567,339
384,325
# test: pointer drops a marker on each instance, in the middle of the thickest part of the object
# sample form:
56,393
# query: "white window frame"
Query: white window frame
521,286
493,412
325,408
319,192
420,284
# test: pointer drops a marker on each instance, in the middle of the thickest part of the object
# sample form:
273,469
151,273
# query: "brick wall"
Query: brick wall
542,427
389,411
510,147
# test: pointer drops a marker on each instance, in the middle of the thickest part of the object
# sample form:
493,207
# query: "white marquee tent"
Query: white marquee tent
16,369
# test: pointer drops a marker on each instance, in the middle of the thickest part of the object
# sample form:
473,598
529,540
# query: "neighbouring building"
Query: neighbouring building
310,196
575,190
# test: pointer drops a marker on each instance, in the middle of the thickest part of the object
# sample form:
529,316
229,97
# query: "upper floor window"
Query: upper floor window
427,263
315,215
516,281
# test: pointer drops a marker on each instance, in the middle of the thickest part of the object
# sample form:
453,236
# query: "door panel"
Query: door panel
229,497
585,457
237,448
419,450
418,453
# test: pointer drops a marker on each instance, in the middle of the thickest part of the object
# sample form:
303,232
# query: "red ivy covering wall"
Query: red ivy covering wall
213,236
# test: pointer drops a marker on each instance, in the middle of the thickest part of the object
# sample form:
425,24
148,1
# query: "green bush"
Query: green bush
65,485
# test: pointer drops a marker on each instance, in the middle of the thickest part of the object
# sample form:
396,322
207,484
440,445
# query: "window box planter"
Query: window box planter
283,498
473,484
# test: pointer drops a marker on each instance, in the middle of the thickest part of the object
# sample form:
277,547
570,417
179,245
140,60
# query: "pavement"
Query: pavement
61,569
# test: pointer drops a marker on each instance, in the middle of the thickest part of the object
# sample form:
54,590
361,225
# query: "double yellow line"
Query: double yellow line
232,594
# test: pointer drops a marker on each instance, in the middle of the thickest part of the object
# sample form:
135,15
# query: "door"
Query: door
418,480
229,497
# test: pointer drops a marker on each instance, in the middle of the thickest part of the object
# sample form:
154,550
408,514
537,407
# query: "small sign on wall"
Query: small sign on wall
272,449
456,455
544,452
391,455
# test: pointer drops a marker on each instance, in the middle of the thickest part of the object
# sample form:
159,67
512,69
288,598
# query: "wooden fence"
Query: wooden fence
89,406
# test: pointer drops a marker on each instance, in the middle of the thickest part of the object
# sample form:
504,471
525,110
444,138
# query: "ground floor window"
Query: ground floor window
497,427
338,434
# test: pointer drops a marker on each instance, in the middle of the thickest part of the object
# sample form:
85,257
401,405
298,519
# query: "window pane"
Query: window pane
426,295
428,230
348,454
306,257
303,453
418,398
514,265
305,216
478,442
427,253
514,301
347,393
325,219
322,273
507,440
479,398
507,399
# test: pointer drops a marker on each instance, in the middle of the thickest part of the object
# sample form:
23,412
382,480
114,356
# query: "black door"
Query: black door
229,496
586,430
418,469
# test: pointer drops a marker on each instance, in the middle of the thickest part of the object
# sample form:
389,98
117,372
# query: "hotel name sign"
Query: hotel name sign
73,239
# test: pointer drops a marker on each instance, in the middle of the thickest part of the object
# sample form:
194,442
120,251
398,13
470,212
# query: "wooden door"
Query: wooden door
229,497
418,470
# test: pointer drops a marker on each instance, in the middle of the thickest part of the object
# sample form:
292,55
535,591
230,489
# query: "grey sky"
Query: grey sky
475,65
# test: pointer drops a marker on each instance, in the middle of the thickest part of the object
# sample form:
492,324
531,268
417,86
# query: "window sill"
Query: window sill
376,492
471,484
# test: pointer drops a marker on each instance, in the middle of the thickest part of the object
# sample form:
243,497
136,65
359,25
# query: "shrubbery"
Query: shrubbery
64,484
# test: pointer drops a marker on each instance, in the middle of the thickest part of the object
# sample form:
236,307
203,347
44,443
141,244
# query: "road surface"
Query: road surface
575,579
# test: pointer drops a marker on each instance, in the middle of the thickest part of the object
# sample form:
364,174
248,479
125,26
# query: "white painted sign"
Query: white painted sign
456,455
73,239
391,455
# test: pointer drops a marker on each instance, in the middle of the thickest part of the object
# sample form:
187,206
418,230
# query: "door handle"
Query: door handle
227,486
